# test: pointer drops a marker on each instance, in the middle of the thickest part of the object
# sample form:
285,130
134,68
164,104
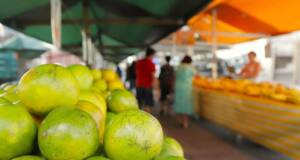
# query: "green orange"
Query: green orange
121,100
96,74
10,88
97,158
109,117
171,148
17,131
11,97
83,75
100,85
133,135
46,87
115,84
96,114
94,98
109,75
3,101
68,134
29,158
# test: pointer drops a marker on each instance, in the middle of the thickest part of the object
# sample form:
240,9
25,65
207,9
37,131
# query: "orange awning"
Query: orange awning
241,20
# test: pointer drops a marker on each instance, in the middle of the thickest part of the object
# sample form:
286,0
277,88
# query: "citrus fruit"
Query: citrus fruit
29,158
170,148
10,88
116,84
3,101
68,133
11,97
96,74
121,100
94,98
97,158
100,85
109,75
1,91
82,74
132,135
17,131
97,115
109,117
46,87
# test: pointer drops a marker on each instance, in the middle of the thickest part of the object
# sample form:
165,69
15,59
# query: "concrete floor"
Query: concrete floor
207,141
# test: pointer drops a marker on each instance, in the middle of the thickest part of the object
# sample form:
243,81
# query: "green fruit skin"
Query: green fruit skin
17,131
11,97
109,117
3,101
82,74
68,134
133,135
121,100
97,158
97,74
95,99
29,158
100,84
46,87
1,91
170,148
10,88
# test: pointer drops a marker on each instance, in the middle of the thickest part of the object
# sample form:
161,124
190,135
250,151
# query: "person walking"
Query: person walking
183,106
166,85
145,77
131,76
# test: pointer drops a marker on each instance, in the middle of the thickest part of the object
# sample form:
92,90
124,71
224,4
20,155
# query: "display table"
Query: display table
273,124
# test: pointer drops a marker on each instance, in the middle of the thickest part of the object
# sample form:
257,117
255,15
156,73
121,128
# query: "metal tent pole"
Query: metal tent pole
214,40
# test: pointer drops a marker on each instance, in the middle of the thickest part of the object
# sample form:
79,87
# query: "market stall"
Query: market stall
265,115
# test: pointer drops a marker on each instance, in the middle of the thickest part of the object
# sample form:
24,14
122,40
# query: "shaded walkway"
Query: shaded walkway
208,142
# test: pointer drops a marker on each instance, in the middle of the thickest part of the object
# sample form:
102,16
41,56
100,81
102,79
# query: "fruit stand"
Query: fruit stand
268,122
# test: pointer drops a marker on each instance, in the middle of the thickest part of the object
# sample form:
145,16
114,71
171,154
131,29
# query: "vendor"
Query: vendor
252,69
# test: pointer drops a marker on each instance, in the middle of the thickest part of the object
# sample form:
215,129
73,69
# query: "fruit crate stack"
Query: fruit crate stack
270,123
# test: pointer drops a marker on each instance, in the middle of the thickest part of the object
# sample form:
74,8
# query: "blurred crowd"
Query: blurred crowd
174,85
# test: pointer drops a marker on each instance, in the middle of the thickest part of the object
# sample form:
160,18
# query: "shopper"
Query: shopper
119,71
183,91
166,83
252,69
130,75
145,77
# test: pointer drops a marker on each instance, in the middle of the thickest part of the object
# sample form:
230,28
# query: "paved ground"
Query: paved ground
206,141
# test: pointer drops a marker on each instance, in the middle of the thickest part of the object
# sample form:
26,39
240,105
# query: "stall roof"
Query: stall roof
242,20
28,47
117,26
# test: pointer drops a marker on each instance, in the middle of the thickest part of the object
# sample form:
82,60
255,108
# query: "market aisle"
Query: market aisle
200,144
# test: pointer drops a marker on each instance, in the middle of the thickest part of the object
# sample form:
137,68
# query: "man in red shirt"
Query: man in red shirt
145,75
